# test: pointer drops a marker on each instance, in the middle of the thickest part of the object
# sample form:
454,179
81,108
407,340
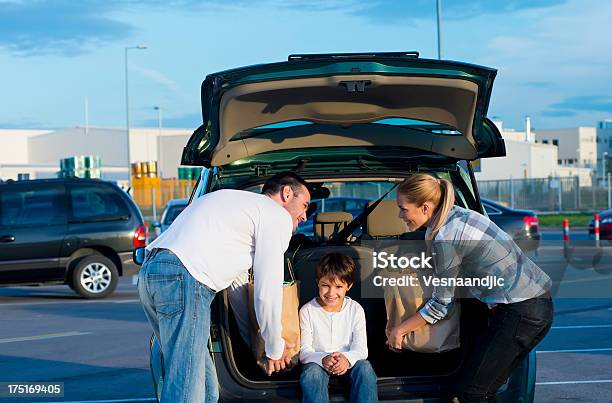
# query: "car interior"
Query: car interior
305,251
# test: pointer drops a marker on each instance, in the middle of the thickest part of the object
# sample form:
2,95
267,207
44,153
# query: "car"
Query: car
521,225
605,226
353,125
79,232
172,210
353,205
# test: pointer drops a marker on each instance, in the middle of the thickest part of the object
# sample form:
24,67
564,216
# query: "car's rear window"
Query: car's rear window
415,124
96,203
172,213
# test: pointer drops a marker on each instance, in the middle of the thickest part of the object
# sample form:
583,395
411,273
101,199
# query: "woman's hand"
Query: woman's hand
397,333
395,338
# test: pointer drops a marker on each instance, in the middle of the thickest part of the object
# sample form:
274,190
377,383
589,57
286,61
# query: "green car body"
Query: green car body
373,145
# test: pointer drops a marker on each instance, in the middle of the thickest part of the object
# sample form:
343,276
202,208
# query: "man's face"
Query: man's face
296,204
414,216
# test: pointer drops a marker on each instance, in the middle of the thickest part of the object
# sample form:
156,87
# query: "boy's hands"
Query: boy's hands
328,362
336,364
282,363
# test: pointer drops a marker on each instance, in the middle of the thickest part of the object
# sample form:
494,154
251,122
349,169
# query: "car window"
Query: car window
328,205
172,213
355,205
96,203
22,207
491,210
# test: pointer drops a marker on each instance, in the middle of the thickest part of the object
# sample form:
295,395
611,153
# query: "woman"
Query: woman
467,244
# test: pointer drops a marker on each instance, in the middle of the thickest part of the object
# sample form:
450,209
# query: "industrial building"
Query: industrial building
37,153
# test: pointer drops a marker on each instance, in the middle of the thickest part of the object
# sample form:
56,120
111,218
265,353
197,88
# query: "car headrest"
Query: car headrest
326,224
384,220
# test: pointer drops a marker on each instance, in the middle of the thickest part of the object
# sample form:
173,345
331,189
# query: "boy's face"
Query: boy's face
332,291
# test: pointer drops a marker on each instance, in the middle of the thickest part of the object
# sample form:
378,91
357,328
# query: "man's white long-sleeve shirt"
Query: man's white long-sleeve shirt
325,332
221,235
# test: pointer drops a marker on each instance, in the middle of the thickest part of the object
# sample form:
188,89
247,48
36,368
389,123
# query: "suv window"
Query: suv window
95,203
173,212
22,207
491,210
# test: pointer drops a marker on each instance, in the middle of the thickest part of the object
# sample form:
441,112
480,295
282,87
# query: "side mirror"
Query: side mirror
138,256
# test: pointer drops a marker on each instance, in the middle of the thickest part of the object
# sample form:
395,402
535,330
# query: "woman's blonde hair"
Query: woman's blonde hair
421,188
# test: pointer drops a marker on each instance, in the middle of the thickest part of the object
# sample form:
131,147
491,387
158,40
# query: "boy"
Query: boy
333,335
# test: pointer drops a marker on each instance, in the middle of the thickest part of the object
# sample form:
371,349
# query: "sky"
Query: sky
554,57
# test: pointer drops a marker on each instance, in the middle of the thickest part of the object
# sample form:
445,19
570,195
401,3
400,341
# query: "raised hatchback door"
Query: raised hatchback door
382,100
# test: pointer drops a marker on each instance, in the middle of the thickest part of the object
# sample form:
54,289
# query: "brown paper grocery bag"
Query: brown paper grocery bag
401,302
290,323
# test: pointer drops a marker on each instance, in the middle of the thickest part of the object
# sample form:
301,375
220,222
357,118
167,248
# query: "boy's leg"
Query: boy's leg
314,381
181,309
363,383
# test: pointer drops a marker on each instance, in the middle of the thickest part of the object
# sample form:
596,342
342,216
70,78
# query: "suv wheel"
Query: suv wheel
94,276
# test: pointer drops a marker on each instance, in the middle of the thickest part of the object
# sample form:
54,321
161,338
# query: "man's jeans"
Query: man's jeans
514,330
314,381
178,308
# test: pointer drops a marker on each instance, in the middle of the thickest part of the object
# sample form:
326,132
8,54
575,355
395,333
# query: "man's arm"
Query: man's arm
271,241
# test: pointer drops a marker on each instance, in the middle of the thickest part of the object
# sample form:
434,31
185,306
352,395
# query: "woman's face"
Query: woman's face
414,216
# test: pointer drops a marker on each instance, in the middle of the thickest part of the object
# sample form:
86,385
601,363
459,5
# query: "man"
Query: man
213,242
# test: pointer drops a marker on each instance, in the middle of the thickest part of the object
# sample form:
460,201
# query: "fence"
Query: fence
152,194
549,194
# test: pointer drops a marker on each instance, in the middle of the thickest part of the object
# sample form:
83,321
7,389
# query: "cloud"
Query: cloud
392,11
69,28
558,114
593,103
188,121
157,77
63,27
538,84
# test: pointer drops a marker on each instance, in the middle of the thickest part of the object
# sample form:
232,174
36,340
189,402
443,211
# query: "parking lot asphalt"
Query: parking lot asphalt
99,349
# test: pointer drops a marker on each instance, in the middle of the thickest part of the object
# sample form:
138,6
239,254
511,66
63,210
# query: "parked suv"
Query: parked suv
353,125
80,232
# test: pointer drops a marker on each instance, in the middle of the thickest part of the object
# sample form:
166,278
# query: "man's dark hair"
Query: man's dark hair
338,266
276,183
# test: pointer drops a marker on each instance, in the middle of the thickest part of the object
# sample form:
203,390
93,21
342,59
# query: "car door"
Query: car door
33,223
97,217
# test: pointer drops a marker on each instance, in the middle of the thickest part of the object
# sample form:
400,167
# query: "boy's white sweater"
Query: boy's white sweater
326,332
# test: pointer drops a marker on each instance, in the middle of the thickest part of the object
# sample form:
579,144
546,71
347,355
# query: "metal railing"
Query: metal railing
549,194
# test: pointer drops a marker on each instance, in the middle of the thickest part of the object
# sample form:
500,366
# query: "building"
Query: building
36,153
528,157
604,146
577,146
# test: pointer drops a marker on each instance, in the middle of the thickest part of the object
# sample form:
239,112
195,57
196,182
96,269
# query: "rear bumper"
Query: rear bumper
127,263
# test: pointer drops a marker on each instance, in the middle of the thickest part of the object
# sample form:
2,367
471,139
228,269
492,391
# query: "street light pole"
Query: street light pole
159,118
127,112
439,13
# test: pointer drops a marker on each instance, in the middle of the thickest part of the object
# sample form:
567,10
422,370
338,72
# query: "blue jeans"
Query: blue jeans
314,381
178,308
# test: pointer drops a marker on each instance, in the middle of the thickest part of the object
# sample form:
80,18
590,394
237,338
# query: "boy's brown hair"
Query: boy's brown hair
338,266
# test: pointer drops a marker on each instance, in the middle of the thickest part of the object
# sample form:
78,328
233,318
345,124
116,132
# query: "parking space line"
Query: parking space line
42,337
580,327
147,399
573,382
585,350
120,301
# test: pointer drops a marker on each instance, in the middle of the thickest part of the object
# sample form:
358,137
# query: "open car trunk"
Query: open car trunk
406,371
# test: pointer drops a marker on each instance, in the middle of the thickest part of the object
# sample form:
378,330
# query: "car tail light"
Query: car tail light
531,221
140,237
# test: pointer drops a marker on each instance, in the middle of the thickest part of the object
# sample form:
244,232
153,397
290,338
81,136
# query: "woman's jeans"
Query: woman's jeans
178,308
314,381
514,330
